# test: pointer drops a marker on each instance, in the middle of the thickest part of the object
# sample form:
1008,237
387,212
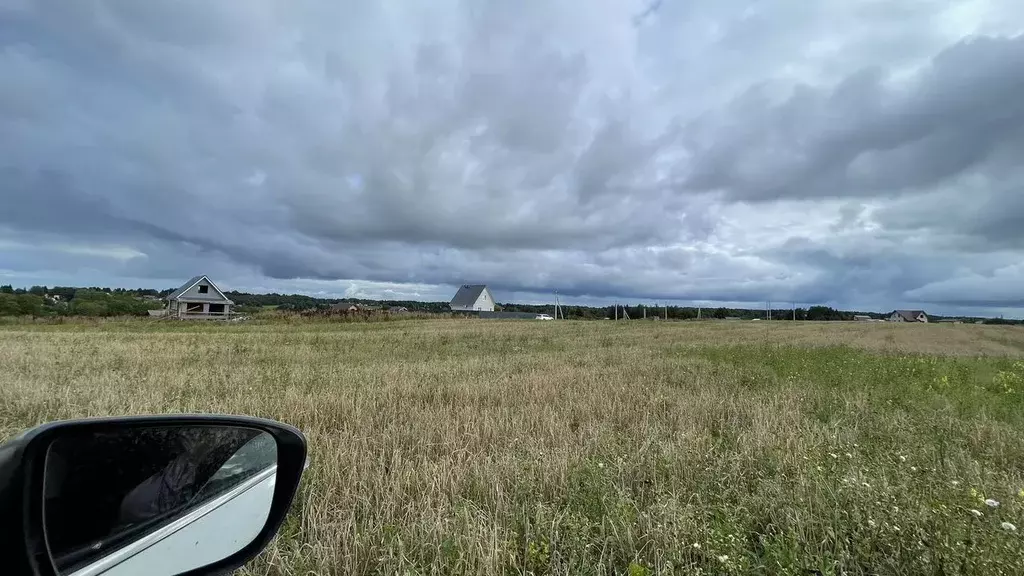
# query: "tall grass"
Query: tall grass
475,447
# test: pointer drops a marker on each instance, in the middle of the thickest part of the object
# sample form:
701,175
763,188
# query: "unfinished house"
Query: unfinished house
198,299
908,316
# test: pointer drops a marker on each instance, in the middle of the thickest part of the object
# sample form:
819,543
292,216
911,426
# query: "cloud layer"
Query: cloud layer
852,153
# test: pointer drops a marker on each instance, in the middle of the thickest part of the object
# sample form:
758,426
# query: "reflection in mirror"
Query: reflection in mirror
155,499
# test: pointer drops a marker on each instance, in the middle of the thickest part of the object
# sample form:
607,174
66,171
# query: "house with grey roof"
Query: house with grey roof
472,298
908,316
198,299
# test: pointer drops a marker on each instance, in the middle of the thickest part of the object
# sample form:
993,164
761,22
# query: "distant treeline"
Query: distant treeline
40,301
95,301
814,313
298,302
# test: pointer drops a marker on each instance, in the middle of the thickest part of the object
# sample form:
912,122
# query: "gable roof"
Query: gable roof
910,315
192,282
468,294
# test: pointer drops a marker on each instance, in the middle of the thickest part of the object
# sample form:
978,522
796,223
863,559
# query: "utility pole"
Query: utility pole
666,311
794,311
698,311
616,306
645,312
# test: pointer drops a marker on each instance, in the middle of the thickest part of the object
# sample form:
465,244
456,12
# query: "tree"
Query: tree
820,313
37,290
6,289
30,304
9,304
97,303
65,292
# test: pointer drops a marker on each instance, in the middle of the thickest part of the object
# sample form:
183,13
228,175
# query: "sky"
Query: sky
863,154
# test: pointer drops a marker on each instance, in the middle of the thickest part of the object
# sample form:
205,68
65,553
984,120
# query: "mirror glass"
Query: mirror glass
155,499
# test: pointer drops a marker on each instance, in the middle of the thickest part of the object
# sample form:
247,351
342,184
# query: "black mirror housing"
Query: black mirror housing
22,477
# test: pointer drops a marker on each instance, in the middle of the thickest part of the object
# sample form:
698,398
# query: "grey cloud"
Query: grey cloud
530,145
999,288
975,215
870,135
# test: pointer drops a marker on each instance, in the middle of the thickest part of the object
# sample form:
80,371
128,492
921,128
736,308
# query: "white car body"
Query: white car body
204,535
211,530
543,317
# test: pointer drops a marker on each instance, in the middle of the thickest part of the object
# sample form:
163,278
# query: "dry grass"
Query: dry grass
591,447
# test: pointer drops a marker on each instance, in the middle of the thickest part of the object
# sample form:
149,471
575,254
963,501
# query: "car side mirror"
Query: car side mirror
155,495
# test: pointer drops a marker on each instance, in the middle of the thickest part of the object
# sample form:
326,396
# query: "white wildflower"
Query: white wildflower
871,523
723,558
818,468
913,468
991,503
903,458
955,482
833,455
848,455
696,545
1008,526
600,464
976,512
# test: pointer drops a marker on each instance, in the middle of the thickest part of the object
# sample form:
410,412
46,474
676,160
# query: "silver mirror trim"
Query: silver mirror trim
122,554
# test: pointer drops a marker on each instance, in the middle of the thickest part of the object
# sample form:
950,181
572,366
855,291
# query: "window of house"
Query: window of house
204,289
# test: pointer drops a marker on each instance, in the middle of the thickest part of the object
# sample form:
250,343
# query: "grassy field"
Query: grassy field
452,447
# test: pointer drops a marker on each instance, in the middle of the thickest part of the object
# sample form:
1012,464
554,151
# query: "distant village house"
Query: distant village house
908,316
198,299
352,307
473,298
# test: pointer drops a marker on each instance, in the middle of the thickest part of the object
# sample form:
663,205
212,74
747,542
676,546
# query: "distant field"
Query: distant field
485,447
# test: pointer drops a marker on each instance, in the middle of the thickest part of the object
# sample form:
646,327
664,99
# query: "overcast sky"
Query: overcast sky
858,153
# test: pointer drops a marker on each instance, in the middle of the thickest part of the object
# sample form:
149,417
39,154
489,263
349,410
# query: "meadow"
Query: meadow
640,448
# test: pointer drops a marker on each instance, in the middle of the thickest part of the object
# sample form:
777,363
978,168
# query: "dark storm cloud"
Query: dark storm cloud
601,150
871,135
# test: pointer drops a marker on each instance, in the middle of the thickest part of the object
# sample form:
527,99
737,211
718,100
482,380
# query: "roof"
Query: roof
184,287
192,282
468,294
910,315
